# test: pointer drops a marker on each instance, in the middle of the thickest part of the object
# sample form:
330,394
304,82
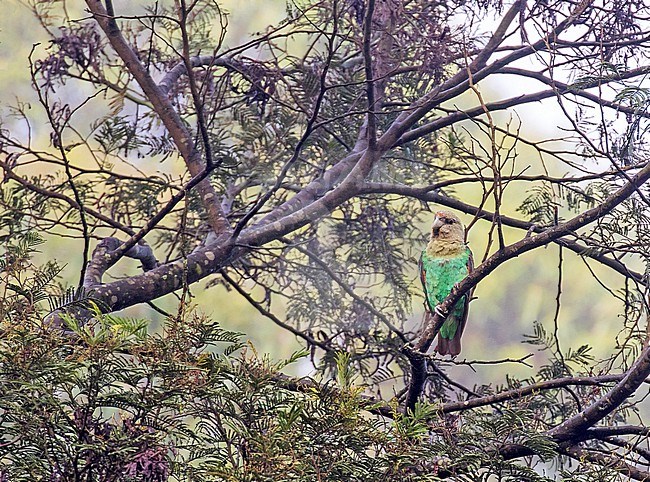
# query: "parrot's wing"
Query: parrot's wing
423,279
463,319
451,346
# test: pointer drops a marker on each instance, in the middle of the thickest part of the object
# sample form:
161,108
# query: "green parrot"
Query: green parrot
444,263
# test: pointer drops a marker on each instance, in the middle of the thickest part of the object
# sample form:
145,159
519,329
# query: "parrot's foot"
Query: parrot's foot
440,312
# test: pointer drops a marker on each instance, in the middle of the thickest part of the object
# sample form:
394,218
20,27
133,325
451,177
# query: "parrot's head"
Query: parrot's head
446,226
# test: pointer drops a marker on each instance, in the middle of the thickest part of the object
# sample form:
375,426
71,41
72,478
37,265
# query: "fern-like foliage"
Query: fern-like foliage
112,400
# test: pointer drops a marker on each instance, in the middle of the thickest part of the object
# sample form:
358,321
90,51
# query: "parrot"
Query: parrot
445,261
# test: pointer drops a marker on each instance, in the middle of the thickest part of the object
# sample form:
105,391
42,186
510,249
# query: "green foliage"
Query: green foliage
111,401
23,284
115,403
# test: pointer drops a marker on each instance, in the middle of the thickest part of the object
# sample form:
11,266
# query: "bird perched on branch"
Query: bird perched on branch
444,263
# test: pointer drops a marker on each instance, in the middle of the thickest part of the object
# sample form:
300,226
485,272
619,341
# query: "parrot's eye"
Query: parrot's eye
449,221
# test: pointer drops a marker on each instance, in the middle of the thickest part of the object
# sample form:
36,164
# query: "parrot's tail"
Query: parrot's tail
448,346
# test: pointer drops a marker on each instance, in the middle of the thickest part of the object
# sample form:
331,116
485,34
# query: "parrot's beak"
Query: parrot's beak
437,224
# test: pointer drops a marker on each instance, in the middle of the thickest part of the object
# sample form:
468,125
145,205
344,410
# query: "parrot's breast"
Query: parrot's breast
442,273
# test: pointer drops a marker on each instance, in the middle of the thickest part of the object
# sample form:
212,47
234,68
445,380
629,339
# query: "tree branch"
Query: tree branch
530,390
606,460
598,410
165,110
103,254
425,194
510,252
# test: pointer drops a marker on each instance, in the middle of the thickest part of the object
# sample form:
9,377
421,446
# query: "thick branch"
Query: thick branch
209,259
103,254
598,410
616,430
167,278
315,189
348,188
161,104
